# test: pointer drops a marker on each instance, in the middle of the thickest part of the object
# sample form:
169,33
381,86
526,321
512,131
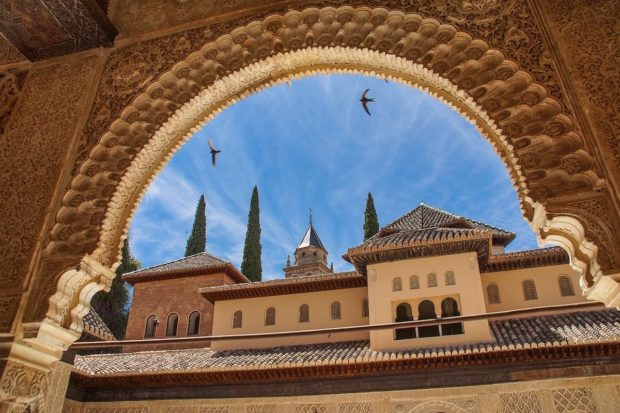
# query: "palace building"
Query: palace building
481,326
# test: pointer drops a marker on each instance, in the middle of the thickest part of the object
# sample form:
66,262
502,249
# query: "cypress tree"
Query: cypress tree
197,241
371,222
251,266
113,306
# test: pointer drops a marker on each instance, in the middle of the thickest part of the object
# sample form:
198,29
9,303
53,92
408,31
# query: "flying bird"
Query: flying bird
365,101
214,152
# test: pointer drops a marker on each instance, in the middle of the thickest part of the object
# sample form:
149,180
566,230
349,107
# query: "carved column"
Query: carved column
34,380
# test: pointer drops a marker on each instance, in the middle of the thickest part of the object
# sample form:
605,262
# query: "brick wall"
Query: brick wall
163,297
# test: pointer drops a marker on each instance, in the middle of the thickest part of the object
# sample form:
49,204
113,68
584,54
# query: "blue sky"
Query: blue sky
312,145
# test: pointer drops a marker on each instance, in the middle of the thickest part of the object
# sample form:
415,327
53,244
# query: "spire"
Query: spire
288,261
310,216
311,239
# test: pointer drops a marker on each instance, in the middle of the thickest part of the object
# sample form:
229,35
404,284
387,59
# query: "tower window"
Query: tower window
151,326
237,319
335,310
414,282
397,284
566,286
365,311
193,323
171,325
304,313
493,293
529,290
270,317
450,279
431,280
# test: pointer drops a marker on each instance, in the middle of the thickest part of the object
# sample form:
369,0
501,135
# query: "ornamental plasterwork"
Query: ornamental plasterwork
504,93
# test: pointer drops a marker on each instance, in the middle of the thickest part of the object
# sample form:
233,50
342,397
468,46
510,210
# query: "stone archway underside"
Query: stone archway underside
537,141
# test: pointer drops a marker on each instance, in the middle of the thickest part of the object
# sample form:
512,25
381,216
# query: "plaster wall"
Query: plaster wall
163,297
287,318
467,291
546,280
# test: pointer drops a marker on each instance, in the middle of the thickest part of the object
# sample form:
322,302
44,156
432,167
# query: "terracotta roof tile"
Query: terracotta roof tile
319,282
540,257
94,325
559,329
425,216
193,264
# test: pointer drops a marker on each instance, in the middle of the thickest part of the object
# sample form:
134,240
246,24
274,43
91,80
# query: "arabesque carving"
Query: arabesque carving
32,157
543,137
11,83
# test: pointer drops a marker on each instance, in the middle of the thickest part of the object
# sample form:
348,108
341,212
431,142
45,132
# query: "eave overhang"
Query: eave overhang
293,285
526,259
226,268
396,247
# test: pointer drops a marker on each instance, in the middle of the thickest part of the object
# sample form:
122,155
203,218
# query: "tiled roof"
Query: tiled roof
540,257
198,263
531,332
408,244
292,285
425,216
311,239
94,325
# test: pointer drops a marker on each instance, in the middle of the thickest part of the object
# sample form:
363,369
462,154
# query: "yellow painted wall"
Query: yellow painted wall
547,287
467,291
287,318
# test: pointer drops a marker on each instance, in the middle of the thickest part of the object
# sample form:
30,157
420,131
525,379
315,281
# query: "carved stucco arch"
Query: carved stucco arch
537,142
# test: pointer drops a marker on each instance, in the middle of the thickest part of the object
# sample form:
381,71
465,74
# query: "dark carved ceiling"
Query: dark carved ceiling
40,29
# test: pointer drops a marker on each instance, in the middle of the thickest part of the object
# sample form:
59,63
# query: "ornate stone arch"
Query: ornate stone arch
526,127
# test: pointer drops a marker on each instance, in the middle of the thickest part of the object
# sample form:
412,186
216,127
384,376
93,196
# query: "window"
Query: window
493,293
397,284
431,280
237,319
171,325
426,309
335,310
450,279
566,286
529,290
365,311
450,308
270,317
193,323
403,313
414,282
151,326
304,313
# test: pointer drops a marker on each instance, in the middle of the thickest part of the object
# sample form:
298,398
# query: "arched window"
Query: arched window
414,282
193,323
493,293
171,325
304,313
335,310
566,286
431,280
450,279
237,319
404,313
365,310
270,317
450,308
426,309
151,326
397,284
529,290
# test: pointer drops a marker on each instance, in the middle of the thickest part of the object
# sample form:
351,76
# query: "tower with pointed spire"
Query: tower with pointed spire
310,255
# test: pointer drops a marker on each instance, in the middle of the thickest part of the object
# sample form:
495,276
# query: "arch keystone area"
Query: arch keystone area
539,144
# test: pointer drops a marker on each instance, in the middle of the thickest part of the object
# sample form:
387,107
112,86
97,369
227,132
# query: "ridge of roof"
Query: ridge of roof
409,221
189,257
